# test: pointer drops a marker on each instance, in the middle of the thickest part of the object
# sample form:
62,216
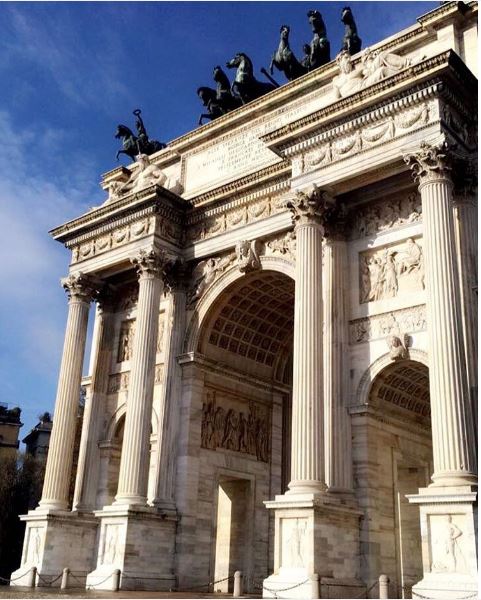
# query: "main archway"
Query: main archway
241,339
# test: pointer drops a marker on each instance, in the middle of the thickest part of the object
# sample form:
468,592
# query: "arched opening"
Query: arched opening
393,458
245,352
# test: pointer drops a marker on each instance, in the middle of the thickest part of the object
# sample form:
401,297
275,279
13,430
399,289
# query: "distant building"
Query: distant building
9,427
38,439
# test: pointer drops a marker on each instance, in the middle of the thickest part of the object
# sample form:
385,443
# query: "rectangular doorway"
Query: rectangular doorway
232,532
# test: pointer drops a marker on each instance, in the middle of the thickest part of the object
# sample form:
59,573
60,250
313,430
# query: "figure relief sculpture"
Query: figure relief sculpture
146,175
351,42
247,256
126,340
285,246
388,215
320,47
385,271
349,80
449,557
245,86
132,145
284,59
398,346
231,430
379,64
205,273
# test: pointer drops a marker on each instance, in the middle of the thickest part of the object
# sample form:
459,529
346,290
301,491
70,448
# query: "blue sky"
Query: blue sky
69,73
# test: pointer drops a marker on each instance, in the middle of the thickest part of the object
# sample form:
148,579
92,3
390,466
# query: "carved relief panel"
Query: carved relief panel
390,271
386,215
447,544
235,425
126,340
293,542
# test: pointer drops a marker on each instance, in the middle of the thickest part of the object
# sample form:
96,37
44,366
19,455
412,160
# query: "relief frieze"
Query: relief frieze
244,431
382,216
407,320
342,145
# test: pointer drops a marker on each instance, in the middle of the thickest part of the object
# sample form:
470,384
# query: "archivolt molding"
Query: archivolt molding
213,292
120,412
364,387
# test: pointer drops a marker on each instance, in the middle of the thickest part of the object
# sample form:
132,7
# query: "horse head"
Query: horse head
221,77
206,94
234,62
315,19
284,31
123,131
346,16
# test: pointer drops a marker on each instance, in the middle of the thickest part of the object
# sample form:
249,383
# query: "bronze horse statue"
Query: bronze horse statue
320,46
133,145
351,41
245,86
219,101
284,59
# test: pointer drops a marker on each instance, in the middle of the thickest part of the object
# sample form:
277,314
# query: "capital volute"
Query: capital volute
431,162
309,208
150,263
80,287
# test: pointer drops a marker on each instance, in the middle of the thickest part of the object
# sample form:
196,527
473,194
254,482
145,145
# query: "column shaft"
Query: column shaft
465,221
168,417
89,456
307,451
134,462
451,410
337,421
60,455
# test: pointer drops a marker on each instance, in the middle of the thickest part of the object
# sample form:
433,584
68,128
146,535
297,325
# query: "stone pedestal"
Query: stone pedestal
448,534
55,540
140,542
316,539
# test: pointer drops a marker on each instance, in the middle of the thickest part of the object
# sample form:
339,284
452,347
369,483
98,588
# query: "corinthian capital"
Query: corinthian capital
80,286
311,207
430,162
150,263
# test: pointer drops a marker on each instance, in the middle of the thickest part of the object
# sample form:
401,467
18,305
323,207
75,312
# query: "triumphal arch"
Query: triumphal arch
283,370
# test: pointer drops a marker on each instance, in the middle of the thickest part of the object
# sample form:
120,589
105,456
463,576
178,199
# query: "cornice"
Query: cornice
392,88
155,199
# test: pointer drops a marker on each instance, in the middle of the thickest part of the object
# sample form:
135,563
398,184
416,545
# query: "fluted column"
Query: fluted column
134,462
451,410
466,234
168,414
80,289
89,458
336,420
307,450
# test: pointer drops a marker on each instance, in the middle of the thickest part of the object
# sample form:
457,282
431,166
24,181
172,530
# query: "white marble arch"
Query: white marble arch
212,293
370,374
116,417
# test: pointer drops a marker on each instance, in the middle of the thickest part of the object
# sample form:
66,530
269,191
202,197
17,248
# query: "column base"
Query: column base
449,540
140,542
55,540
316,536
